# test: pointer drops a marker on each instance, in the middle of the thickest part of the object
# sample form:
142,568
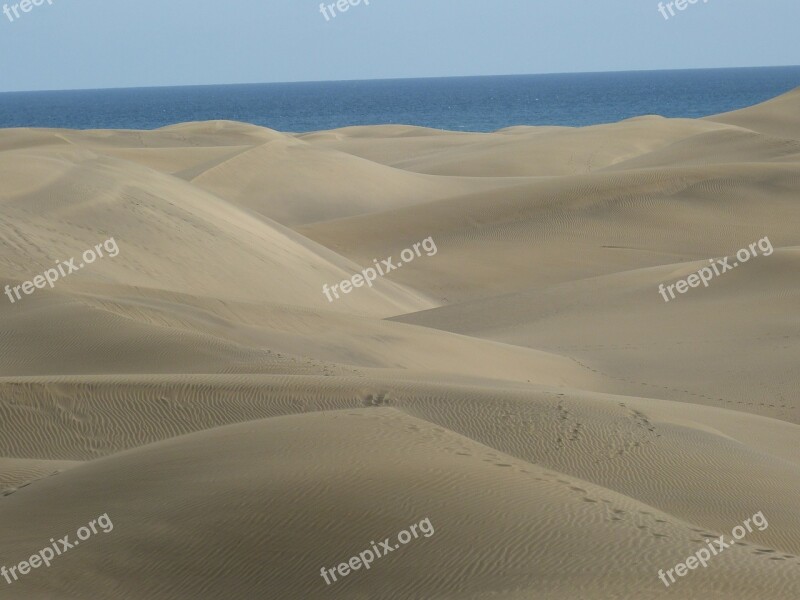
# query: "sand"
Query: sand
566,431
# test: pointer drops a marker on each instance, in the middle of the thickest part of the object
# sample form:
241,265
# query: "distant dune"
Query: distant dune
526,388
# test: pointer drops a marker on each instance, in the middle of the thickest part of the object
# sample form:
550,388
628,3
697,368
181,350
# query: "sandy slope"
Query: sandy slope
567,432
777,117
235,519
746,320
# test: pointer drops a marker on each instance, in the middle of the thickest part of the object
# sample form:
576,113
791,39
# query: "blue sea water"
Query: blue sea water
456,103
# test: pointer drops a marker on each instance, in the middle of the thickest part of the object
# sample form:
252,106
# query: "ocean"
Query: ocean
456,103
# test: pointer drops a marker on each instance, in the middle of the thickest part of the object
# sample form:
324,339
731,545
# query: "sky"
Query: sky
80,44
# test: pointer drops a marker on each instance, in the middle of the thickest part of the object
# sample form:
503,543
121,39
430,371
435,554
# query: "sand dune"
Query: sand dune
777,117
171,235
264,179
532,151
747,316
520,505
566,431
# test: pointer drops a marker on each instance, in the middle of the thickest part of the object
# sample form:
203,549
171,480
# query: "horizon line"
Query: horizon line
188,85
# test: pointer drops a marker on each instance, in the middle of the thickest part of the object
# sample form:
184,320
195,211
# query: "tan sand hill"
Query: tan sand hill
747,316
591,436
172,236
778,117
264,477
526,388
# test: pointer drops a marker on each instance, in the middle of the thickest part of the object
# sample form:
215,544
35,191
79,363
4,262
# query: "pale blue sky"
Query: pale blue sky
75,44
